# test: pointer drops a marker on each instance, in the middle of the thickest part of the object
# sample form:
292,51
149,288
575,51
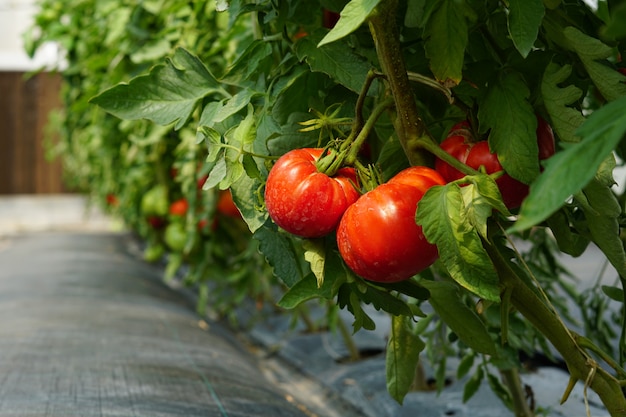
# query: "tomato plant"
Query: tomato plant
388,210
304,201
462,144
381,89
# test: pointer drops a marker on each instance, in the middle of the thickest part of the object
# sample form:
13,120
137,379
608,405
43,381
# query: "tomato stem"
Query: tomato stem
353,146
528,302
407,123
436,150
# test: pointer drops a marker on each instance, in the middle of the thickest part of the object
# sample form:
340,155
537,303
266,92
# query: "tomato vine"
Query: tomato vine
200,102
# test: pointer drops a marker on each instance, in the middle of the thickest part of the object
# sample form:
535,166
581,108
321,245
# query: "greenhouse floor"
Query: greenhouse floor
89,329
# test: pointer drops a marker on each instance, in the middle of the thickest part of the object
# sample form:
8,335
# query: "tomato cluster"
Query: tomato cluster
462,145
376,232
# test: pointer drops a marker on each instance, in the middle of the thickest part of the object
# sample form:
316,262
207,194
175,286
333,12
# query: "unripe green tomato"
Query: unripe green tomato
175,236
155,201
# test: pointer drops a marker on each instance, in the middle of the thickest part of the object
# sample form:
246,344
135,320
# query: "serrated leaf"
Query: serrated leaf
480,196
315,255
507,112
441,213
353,15
251,167
382,300
524,19
446,34
565,120
568,171
462,320
337,60
403,351
233,105
245,196
590,50
602,210
168,94
361,319
303,290
280,252
251,65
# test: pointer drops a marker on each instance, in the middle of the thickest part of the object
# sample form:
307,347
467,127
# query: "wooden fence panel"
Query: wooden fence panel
24,108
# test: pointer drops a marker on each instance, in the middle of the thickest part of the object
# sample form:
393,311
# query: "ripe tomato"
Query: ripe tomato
179,207
378,237
306,202
226,205
461,144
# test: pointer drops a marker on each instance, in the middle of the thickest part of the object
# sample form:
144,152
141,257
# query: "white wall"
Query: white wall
15,19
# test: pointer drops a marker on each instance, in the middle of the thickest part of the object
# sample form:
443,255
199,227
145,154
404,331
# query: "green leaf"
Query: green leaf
252,64
507,112
361,319
467,362
568,240
590,51
245,195
239,138
280,252
337,60
462,320
446,34
233,105
403,351
602,211
480,197
315,255
524,18
568,171
443,217
473,384
302,291
614,293
168,94
615,28
353,15
565,120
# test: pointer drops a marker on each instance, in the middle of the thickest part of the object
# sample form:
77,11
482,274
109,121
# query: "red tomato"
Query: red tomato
156,222
226,205
112,200
306,202
378,237
329,19
476,154
179,207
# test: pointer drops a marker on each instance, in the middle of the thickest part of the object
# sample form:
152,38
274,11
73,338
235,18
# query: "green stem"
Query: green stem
540,315
367,128
433,148
407,123
353,350
430,82
518,395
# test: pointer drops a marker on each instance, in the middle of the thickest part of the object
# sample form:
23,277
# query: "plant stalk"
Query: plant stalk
513,382
407,123
540,315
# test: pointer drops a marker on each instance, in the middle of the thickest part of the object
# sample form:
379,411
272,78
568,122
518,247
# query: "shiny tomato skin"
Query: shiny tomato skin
306,202
378,237
477,154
